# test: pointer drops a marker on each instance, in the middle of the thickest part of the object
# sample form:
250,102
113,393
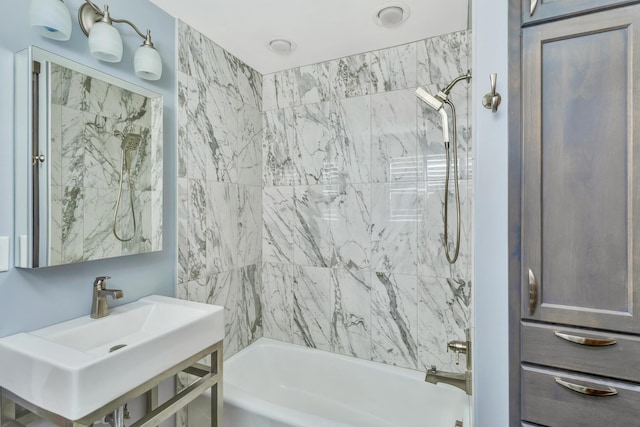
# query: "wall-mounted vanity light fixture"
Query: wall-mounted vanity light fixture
50,18
105,42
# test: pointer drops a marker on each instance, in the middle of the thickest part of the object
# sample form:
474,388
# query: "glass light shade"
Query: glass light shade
147,63
51,18
105,42
392,15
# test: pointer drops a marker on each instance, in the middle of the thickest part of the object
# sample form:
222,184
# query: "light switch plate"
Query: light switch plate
4,253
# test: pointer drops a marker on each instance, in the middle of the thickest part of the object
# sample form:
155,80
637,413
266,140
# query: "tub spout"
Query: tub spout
462,381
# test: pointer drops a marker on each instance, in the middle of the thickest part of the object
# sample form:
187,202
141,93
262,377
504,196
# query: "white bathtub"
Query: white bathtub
274,384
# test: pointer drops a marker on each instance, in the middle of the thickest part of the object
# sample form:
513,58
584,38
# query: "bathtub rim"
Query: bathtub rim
242,399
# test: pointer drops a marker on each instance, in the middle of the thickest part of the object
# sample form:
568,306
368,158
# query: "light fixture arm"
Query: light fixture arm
93,5
132,25
87,17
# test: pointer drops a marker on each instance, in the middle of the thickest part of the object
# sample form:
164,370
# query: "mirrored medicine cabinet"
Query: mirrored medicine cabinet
88,163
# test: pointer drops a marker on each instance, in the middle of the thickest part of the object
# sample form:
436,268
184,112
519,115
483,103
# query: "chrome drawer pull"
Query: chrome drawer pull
533,293
593,342
610,391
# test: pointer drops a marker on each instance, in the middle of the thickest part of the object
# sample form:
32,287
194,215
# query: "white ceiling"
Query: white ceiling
322,29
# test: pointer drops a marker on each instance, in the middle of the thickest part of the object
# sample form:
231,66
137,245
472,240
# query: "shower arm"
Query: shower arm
450,86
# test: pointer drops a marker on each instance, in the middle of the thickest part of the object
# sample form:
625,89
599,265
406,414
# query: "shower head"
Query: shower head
437,104
432,101
131,141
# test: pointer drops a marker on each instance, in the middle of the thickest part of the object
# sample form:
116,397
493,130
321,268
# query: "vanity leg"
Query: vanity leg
216,389
8,410
152,399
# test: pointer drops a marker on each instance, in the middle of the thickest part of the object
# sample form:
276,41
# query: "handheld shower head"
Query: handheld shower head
429,99
437,104
131,141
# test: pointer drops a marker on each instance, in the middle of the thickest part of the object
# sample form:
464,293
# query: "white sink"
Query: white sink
68,368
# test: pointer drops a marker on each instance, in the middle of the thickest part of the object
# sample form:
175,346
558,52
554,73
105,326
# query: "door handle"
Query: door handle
592,342
532,7
533,293
589,391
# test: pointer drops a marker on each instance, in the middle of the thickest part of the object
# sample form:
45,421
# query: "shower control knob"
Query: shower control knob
492,100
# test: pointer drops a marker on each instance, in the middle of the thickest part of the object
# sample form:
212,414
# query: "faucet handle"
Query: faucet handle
100,281
458,347
433,369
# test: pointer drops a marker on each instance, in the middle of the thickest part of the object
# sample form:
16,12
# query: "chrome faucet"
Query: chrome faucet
462,381
99,307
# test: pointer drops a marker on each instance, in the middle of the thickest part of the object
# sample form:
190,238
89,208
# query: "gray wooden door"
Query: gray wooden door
581,187
542,10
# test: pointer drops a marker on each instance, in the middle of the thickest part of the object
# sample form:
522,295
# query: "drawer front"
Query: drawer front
546,402
541,345
544,10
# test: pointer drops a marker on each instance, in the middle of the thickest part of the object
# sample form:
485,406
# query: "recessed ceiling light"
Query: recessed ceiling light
281,45
391,14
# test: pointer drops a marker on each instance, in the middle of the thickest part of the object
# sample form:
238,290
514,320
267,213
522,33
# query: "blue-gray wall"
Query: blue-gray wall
30,299
490,273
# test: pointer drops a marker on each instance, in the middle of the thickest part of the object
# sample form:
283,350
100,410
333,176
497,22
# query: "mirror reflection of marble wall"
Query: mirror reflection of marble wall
89,121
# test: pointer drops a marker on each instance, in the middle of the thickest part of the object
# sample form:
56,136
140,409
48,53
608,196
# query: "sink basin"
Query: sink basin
76,367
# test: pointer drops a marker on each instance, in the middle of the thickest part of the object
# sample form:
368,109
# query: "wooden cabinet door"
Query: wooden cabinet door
581,187
544,10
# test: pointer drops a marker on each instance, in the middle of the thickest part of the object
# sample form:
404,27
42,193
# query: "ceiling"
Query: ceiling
321,29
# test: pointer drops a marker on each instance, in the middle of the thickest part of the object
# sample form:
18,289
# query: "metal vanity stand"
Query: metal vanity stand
209,377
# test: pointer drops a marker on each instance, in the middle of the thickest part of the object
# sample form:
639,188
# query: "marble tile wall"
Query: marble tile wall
220,185
353,172
86,151
310,201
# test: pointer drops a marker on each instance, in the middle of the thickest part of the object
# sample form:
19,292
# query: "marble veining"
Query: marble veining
222,219
196,229
350,76
72,205
220,215
278,150
351,227
312,307
313,83
350,154
277,297
443,58
312,238
394,215
394,144
312,140
183,230
394,68
351,313
249,85
394,316
249,146
212,129
249,218
183,124
277,216
280,90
